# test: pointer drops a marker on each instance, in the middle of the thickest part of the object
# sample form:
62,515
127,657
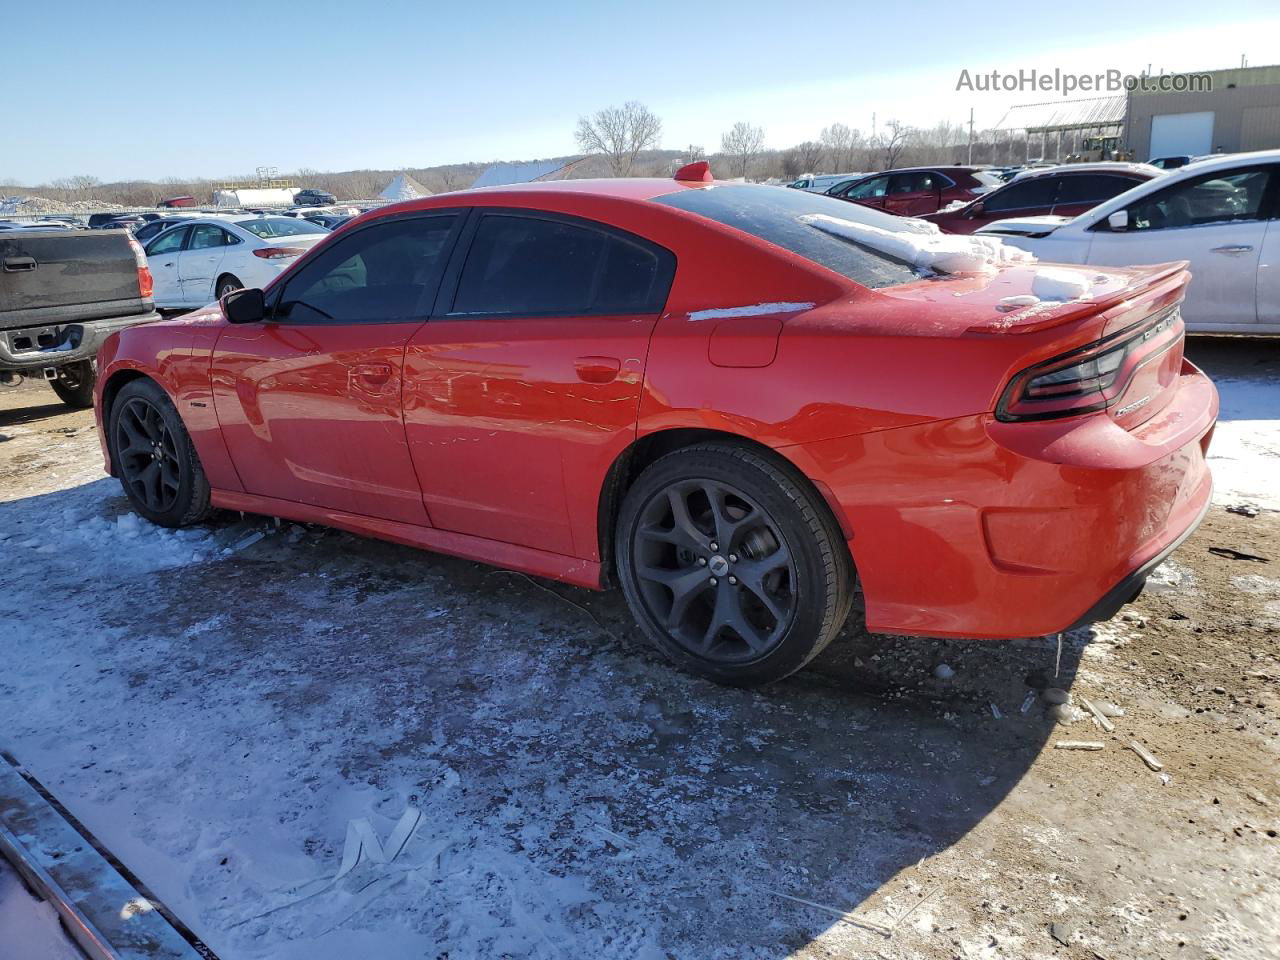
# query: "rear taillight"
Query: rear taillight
1088,378
146,283
279,253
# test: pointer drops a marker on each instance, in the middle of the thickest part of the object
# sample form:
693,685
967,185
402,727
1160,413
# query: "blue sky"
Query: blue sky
337,86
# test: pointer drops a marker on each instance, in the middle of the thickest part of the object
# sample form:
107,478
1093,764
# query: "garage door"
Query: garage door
1174,134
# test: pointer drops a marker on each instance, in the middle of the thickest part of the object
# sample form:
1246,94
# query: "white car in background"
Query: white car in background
203,259
1222,214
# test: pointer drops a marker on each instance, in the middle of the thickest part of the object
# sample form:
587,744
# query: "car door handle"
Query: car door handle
1233,248
19,264
370,374
597,369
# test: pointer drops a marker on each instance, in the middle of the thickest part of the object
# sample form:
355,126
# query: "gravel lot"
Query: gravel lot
217,711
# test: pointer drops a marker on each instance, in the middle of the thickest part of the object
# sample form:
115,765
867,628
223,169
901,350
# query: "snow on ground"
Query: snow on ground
1245,451
29,928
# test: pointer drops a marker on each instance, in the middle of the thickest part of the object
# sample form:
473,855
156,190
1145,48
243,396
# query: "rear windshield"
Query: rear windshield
773,214
268,227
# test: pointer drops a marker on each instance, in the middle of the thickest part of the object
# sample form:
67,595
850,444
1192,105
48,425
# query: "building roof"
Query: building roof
501,174
404,187
1065,115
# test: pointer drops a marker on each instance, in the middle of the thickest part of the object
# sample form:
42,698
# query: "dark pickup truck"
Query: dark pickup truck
63,292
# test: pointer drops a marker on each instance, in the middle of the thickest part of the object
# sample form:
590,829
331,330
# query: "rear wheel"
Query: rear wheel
74,384
155,458
226,284
732,564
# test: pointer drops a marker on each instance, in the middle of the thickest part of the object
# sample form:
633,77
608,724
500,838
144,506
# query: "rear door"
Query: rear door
309,401
162,258
914,193
198,263
525,385
1218,222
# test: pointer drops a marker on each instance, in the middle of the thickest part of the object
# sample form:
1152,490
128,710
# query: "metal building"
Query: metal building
1240,112
1057,130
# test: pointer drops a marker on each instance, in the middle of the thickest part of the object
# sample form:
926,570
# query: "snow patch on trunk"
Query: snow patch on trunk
925,247
756,310
1054,283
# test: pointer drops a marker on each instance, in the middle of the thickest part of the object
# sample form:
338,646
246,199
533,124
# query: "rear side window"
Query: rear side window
520,265
1092,187
773,214
270,227
206,235
1019,195
384,273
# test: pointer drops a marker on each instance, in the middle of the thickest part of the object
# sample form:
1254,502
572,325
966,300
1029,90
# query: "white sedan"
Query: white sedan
1222,214
201,260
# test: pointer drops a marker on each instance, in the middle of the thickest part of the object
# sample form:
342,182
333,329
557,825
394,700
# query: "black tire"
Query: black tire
74,385
154,457
227,283
769,599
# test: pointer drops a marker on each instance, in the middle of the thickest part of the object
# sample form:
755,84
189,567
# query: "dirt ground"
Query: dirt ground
217,717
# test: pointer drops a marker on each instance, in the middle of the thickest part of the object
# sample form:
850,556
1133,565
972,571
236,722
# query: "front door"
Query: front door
1217,222
309,401
162,259
526,385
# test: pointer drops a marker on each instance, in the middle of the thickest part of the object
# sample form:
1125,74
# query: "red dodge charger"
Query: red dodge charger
740,403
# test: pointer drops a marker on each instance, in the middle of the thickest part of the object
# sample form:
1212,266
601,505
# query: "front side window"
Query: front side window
1214,198
384,273
526,266
268,228
868,189
170,242
1020,195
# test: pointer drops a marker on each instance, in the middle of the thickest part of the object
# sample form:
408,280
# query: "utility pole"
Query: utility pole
970,160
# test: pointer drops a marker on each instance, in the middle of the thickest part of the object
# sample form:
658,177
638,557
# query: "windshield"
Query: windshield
269,227
780,216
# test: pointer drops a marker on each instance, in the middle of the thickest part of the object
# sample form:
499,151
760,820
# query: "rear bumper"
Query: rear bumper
58,344
975,528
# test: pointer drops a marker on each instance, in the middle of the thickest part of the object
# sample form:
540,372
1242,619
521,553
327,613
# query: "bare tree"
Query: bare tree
620,133
809,155
837,140
742,143
893,141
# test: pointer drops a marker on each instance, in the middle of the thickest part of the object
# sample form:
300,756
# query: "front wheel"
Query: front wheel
154,457
74,384
732,564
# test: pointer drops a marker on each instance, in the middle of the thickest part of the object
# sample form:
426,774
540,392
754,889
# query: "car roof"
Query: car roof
1099,166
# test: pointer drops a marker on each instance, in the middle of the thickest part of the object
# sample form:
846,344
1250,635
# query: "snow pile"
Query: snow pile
757,310
1244,454
404,187
1055,283
30,205
922,245
95,535
30,926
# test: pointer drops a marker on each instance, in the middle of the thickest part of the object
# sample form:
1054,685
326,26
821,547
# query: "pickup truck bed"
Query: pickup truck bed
63,292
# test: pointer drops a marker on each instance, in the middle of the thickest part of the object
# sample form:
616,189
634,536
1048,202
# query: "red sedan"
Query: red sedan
1065,191
728,399
913,191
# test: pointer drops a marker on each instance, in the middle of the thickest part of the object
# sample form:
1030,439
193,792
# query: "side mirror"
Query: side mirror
244,306
975,209
1119,220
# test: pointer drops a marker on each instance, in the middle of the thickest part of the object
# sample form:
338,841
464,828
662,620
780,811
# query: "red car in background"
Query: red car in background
913,191
1065,191
734,401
